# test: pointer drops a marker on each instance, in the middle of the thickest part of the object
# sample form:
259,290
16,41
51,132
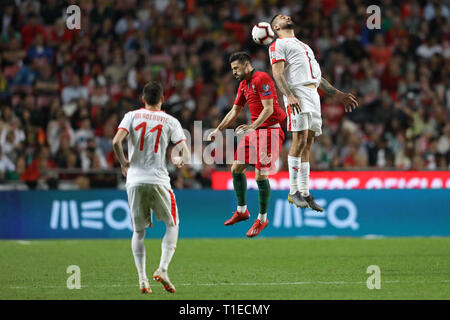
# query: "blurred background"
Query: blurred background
63,92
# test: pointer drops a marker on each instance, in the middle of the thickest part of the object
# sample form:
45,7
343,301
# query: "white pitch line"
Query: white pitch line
24,242
237,284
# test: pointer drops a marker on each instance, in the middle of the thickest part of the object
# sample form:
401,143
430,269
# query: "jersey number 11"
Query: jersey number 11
143,126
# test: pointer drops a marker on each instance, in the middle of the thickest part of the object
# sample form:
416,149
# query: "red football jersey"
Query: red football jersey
260,87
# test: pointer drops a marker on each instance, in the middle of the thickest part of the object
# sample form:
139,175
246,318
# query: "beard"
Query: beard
238,77
288,26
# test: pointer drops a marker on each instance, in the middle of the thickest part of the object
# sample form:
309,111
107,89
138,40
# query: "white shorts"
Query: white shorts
145,198
311,117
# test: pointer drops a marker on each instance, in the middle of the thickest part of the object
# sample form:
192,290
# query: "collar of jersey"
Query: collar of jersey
248,81
152,110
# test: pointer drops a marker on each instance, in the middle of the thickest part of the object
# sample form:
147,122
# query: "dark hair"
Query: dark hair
240,56
152,92
273,19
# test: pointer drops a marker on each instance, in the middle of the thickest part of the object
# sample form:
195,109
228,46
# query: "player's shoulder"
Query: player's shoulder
172,119
273,45
278,42
262,76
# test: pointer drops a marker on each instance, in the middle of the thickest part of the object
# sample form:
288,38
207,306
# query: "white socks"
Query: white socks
294,171
242,209
168,246
138,248
303,182
298,176
262,217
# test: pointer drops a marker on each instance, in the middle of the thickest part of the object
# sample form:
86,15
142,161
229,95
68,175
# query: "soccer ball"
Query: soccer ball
262,33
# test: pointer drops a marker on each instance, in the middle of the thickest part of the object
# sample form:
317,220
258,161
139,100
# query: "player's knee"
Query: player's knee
139,234
298,145
237,168
309,142
259,176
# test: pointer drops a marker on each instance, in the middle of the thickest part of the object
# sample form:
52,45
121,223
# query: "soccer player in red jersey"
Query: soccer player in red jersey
263,138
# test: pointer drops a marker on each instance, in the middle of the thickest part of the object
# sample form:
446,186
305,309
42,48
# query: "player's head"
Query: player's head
281,22
153,93
241,64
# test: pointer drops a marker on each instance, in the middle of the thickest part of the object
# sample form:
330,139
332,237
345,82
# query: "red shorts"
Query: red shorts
260,148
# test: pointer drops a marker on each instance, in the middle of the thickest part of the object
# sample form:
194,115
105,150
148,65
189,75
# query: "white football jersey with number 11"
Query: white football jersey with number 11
149,134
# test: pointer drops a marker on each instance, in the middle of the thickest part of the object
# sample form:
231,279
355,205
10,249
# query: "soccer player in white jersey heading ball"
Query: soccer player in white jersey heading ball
149,131
298,75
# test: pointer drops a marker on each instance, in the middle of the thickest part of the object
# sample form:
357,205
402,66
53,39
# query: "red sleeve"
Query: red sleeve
240,98
265,87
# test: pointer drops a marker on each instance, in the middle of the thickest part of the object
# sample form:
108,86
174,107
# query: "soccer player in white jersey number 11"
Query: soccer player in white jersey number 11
297,75
149,131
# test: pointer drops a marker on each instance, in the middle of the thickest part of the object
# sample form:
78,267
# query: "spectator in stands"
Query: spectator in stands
39,50
41,171
92,156
84,134
19,169
27,75
58,127
74,91
47,87
12,139
6,166
31,29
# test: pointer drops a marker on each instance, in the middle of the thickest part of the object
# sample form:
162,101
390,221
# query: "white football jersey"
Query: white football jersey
149,135
301,66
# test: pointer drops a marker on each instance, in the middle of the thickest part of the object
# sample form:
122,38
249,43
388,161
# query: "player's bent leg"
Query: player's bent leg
240,189
138,249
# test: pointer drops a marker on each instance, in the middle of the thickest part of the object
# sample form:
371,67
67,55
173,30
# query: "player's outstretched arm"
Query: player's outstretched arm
226,122
118,150
347,99
280,80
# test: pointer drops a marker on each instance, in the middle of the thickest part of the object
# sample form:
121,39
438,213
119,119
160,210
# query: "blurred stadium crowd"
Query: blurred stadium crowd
63,92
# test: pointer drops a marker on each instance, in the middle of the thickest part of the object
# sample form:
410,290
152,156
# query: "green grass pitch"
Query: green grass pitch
228,269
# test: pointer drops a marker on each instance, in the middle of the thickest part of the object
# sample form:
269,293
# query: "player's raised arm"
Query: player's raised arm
280,80
118,150
347,99
227,121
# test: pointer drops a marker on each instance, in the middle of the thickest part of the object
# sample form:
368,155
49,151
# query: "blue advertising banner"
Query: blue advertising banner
105,214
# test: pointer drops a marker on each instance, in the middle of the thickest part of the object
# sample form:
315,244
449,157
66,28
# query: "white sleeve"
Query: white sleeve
126,122
176,132
277,52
